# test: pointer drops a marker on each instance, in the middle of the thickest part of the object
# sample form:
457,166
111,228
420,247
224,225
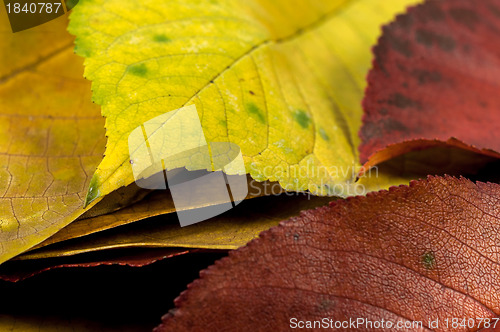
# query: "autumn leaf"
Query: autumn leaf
157,203
435,81
414,253
17,270
282,80
52,140
230,230
51,135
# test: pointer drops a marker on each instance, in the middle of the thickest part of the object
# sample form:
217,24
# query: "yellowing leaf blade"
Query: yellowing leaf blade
51,135
282,79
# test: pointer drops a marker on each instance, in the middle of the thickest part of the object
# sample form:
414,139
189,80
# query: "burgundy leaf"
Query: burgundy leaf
425,252
16,270
435,76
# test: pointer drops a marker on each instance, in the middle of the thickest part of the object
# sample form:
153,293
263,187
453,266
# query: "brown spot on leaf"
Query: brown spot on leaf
494,10
406,22
325,305
382,127
429,38
424,37
433,12
402,101
429,260
465,17
399,45
425,76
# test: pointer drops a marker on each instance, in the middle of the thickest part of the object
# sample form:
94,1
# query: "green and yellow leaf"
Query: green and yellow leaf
282,79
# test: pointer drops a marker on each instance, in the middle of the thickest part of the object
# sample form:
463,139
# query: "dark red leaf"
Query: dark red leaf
436,75
419,253
16,270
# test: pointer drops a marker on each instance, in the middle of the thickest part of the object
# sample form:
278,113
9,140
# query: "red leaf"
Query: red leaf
419,253
436,75
16,270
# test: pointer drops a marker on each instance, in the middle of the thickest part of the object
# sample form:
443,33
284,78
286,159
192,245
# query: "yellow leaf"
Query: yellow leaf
163,233
281,79
157,203
51,135
230,230
439,160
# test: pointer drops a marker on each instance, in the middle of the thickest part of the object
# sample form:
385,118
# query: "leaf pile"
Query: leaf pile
51,145
419,253
285,81
282,80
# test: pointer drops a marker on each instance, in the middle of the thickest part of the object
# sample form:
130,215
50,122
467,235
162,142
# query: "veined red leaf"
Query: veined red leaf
19,270
435,76
424,252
